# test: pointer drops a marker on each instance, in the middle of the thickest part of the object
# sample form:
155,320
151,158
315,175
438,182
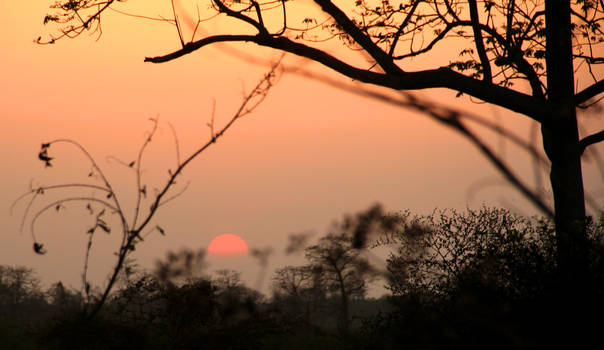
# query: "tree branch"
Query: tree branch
402,27
487,76
195,45
382,58
589,92
520,62
225,9
535,108
502,167
590,140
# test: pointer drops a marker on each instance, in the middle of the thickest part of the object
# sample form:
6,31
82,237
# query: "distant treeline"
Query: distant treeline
479,279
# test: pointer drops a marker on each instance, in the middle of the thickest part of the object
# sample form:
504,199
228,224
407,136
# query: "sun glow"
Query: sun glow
227,244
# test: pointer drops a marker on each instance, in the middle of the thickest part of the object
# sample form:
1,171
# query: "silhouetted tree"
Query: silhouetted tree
337,267
539,44
64,301
237,301
342,270
20,296
298,292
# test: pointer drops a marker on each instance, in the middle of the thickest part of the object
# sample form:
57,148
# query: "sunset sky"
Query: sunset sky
306,156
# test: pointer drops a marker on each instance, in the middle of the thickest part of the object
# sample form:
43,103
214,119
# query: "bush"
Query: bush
487,278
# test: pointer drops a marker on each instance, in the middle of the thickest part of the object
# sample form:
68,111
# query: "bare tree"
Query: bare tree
293,280
337,265
342,270
521,55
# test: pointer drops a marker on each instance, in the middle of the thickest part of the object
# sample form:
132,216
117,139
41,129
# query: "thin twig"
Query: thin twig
176,143
139,159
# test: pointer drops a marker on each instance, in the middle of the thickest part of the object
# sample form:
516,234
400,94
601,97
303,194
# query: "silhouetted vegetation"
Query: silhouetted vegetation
483,278
487,279
535,58
102,202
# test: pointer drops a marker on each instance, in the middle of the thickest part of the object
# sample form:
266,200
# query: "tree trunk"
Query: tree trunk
344,316
561,142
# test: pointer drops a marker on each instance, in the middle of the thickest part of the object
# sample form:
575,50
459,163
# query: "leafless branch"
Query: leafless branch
131,231
590,140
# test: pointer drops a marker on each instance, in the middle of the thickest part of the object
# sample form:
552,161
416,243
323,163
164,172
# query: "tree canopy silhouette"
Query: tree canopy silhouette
521,55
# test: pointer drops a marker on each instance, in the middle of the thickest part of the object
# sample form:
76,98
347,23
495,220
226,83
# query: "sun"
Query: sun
227,244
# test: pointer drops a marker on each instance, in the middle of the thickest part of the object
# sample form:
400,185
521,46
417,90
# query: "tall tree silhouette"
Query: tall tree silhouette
540,43
342,270
298,290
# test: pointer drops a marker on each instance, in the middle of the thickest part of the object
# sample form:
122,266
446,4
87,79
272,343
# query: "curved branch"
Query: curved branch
195,45
61,201
590,140
530,106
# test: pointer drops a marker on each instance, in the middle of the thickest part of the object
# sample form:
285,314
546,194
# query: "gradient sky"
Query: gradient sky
306,156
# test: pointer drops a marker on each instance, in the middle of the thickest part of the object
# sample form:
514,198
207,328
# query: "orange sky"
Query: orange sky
308,155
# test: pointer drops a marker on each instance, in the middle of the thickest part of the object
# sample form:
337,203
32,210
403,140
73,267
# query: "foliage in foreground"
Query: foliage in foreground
488,279
483,279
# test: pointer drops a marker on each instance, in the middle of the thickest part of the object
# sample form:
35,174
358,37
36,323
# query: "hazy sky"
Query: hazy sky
306,156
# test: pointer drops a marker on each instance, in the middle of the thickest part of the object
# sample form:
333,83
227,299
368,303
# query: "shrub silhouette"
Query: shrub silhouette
487,278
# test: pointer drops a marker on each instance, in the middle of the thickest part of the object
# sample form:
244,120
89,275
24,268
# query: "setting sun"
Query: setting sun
227,244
